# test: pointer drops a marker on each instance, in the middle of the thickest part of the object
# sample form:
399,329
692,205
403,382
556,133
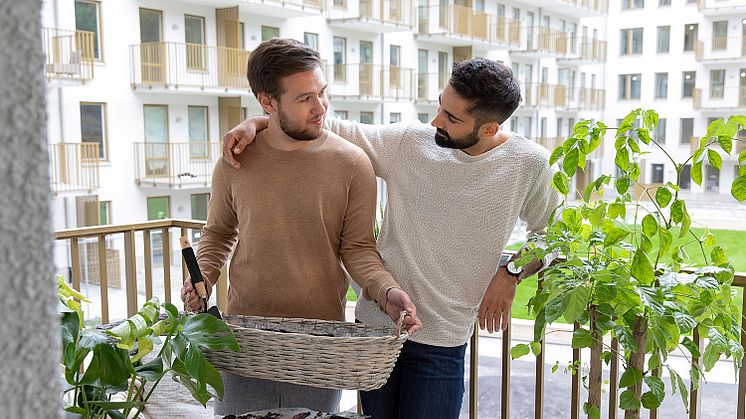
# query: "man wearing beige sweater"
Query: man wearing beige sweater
302,205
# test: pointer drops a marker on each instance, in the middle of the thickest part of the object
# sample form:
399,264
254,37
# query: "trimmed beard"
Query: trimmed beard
295,132
444,140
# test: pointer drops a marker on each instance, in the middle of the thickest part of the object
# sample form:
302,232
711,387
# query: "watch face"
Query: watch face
513,269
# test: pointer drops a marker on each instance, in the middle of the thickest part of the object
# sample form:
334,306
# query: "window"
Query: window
394,117
570,126
528,129
104,213
500,10
194,28
342,4
159,207
423,117
88,18
632,4
687,130
156,123
719,35
559,127
685,180
662,3
630,41
690,36
340,114
712,179
269,32
660,131
312,40
542,127
479,6
717,84
340,58
93,129
442,69
366,117
661,85
151,26
687,83
664,40
198,146
242,33
629,86
657,173
394,62
200,202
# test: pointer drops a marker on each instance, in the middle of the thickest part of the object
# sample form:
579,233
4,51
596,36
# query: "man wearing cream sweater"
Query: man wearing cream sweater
455,189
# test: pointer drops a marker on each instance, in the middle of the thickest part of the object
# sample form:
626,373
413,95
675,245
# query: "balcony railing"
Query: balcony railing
599,6
429,86
721,48
370,82
316,5
175,65
593,50
150,244
462,22
719,98
721,6
547,41
74,167
388,12
559,96
176,165
69,54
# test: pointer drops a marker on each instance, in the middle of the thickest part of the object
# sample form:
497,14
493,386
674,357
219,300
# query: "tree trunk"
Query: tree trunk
594,376
637,359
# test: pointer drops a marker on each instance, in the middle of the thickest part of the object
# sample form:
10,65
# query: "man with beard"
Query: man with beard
455,191
302,205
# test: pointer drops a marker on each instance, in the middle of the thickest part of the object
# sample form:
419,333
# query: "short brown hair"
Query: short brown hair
277,58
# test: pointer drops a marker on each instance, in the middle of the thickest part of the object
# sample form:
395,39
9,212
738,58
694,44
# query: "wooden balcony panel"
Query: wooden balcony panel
69,54
396,13
74,167
371,82
176,165
174,65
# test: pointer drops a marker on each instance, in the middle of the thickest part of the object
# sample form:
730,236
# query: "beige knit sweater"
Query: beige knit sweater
294,217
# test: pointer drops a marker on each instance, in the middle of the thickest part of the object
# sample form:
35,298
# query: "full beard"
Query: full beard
444,140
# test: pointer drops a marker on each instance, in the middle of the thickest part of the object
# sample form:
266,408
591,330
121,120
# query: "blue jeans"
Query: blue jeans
427,382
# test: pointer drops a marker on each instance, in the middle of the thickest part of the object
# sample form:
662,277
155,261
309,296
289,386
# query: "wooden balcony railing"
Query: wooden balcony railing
720,48
143,246
303,4
69,54
390,12
175,65
370,82
429,86
176,164
719,98
733,6
600,6
74,167
592,50
559,96
464,22
547,40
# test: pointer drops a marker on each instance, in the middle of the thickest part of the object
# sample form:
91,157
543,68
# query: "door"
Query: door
366,68
742,87
530,31
422,76
442,69
156,152
395,79
152,49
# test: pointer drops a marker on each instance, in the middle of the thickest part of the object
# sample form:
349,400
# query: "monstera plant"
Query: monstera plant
102,363
624,270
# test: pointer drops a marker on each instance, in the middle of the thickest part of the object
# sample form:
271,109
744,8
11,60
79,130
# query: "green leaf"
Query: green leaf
656,386
718,256
646,245
622,158
570,162
151,371
615,236
711,355
582,338
535,348
592,411
650,401
649,225
617,209
697,173
577,302
627,400
650,118
644,135
641,268
684,321
588,191
738,188
726,143
714,158
742,156
632,143
665,238
208,332
624,336
630,377
561,183
519,350
556,155
678,384
677,211
663,197
622,184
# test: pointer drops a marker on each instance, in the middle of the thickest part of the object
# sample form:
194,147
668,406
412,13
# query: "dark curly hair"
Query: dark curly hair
276,58
489,86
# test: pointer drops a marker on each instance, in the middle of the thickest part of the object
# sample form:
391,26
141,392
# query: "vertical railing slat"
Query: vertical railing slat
184,270
575,398
221,289
539,383
742,373
75,261
103,279
613,379
505,387
695,397
130,274
148,262
474,372
166,264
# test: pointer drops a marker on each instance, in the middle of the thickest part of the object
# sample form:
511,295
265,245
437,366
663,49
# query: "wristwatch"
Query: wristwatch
510,267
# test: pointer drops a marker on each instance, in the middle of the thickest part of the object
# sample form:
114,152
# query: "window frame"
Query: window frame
99,28
104,153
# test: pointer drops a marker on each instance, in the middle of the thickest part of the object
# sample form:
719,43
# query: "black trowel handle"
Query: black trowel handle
194,273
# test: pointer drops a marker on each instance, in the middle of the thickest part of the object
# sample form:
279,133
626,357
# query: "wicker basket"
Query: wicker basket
317,353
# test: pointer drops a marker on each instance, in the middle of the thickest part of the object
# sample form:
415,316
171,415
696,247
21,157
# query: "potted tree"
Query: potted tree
624,270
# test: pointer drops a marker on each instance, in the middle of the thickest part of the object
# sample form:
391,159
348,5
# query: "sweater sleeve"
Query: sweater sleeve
220,233
380,142
358,245
541,200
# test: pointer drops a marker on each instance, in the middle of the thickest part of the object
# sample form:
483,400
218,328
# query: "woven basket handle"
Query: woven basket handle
400,322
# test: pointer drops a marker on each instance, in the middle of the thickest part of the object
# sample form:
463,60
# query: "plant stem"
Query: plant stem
594,375
145,400
637,359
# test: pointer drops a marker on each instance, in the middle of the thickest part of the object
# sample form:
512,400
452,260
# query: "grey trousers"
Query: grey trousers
243,395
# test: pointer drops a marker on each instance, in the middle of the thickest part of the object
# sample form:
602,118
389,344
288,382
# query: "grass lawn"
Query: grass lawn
733,242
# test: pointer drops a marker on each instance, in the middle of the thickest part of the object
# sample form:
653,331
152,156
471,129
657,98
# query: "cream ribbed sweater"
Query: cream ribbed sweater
448,218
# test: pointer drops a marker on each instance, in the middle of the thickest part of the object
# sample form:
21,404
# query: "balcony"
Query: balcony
373,16
574,8
190,68
176,165
69,55
541,42
722,98
370,83
562,97
462,26
721,50
721,7
586,51
74,167
429,86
